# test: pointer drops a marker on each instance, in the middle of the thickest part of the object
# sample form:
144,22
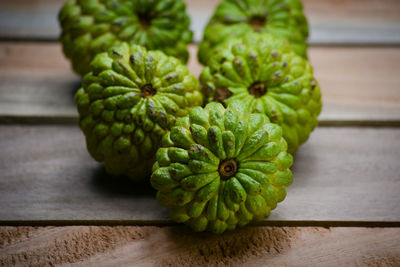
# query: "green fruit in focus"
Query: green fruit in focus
127,103
221,168
264,73
235,18
92,26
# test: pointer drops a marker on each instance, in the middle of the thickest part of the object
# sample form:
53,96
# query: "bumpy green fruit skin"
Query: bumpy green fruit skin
265,74
92,26
235,18
127,103
221,168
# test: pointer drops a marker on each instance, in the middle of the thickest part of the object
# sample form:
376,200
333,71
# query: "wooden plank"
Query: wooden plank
353,22
340,175
177,246
26,19
51,96
331,21
36,81
358,84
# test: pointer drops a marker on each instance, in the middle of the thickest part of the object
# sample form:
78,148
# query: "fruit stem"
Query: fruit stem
148,91
257,89
257,22
144,21
228,168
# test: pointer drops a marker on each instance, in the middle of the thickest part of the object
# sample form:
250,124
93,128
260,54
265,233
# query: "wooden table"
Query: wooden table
58,206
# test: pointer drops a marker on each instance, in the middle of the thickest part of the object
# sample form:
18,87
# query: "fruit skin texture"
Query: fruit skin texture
221,168
265,74
128,101
235,18
92,26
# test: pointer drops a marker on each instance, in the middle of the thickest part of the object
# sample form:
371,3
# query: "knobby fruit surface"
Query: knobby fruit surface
235,18
266,75
128,101
92,26
219,168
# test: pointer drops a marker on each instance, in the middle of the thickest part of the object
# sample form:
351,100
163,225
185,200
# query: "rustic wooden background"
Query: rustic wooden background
59,207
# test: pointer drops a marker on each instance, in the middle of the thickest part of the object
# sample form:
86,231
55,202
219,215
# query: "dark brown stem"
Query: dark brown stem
144,21
148,91
257,22
258,89
228,168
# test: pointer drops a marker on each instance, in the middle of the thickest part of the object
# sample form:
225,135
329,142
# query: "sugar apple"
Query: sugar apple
221,168
264,73
235,18
91,26
128,101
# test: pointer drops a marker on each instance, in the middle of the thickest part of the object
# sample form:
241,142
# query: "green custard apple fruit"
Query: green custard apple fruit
264,73
92,26
235,18
128,101
221,168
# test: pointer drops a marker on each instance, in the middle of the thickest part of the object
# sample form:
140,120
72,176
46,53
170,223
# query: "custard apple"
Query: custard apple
264,73
235,18
128,101
221,168
92,26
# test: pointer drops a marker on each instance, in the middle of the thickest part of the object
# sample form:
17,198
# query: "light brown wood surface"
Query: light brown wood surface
331,21
344,175
358,85
340,175
177,246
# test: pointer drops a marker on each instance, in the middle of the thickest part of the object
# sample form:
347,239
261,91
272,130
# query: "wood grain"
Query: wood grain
359,85
331,21
340,175
177,246
353,22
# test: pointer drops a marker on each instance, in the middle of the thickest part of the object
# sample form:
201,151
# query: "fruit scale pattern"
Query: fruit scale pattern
218,150
219,168
128,101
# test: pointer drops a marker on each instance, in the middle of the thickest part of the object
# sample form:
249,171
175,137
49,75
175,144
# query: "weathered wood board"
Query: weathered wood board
340,175
331,21
343,176
177,246
358,85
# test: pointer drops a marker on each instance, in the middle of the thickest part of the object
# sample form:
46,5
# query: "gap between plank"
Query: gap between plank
367,44
37,120
71,120
162,223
